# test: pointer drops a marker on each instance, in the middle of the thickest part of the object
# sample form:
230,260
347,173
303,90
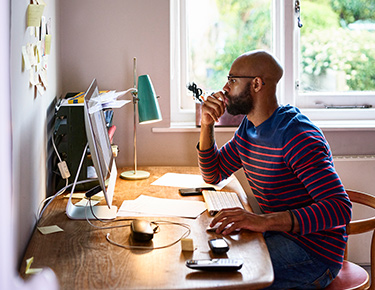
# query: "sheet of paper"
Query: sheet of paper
50,229
99,196
85,202
43,77
115,104
26,58
30,50
153,206
187,180
40,89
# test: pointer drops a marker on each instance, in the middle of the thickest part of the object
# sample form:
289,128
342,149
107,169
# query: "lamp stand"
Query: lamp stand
135,174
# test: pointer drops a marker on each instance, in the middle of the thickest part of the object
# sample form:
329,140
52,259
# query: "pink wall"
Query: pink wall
99,40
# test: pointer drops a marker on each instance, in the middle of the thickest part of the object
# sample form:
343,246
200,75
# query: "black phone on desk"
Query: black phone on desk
194,190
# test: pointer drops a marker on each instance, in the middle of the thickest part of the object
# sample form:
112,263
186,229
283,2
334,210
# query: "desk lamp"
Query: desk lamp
148,112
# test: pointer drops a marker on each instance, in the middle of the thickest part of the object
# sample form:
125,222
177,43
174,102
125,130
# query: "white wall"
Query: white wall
99,40
9,206
29,122
7,249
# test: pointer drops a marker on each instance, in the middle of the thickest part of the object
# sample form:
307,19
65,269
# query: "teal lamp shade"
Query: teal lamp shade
148,106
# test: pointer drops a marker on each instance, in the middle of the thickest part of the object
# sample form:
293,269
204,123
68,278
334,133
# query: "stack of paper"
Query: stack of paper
188,180
154,206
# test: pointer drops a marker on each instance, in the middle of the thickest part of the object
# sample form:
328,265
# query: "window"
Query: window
336,65
328,61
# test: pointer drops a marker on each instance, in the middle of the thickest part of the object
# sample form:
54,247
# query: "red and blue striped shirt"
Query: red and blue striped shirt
289,165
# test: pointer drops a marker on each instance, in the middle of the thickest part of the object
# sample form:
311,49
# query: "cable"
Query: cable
57,152
51,198
103,221
184,235
156,230
78,171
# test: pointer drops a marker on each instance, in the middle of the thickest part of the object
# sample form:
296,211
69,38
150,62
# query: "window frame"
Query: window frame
285,47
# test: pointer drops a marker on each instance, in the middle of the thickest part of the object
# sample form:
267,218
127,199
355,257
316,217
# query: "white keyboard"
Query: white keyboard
217,200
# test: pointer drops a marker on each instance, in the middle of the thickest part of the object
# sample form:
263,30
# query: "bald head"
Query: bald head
259,63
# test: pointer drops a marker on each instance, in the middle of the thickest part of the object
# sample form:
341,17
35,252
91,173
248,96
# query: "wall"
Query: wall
99,40
7,249
29,119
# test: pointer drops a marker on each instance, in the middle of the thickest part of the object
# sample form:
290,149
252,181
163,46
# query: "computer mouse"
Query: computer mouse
141,230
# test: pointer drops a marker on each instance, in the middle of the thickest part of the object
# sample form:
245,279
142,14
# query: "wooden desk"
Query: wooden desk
83,259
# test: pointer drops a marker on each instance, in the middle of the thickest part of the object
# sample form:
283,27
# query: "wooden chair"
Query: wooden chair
352,276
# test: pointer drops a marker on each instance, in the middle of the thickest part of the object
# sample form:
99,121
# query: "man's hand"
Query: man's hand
212,109
238,218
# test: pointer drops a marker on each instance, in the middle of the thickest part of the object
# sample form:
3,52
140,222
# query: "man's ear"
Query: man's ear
257,84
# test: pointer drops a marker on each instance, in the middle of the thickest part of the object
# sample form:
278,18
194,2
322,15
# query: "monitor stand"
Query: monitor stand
82,212
101,212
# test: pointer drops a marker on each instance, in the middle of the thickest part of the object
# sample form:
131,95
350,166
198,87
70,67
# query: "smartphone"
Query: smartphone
193,191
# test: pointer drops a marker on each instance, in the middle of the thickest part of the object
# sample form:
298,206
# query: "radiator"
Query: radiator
358,172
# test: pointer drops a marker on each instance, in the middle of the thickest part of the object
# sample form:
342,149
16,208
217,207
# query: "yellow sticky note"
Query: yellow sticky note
47,44
34,14
50,229
30,270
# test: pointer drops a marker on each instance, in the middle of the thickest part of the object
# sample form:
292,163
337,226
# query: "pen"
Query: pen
198,93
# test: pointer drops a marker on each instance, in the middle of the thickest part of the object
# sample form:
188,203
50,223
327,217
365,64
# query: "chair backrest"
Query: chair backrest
364,225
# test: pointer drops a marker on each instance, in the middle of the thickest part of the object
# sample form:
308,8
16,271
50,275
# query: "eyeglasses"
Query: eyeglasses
232,79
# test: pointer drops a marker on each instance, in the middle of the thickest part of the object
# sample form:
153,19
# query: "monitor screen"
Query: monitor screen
98,139
101,155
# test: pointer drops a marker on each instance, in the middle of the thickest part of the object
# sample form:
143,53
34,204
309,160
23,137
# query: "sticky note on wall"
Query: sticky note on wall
34,14
47,44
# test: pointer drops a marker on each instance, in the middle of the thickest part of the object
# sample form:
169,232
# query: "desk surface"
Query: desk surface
83,259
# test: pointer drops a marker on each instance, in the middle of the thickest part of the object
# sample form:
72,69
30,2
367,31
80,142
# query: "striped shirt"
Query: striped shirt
289,165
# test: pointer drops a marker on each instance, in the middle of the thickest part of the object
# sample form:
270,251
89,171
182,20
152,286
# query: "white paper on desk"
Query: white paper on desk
153,206
187,181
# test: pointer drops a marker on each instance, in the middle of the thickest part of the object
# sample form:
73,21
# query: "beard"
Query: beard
241,104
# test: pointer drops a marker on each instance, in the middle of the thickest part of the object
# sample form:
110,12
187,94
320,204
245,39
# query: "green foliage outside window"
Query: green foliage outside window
249,26
327,41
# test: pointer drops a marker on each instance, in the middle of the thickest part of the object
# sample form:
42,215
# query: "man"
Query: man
289,166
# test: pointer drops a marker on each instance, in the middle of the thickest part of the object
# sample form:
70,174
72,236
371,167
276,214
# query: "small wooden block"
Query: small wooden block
187,245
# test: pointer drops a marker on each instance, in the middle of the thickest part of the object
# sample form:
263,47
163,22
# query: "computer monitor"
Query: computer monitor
102,158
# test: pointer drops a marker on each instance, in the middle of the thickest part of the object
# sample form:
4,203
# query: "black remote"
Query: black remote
215,264
218,246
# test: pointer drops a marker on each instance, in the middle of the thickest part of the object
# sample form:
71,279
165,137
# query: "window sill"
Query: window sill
325,125
339,114
189,127
346,125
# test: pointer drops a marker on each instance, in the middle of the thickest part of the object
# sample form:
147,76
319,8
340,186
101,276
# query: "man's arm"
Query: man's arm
212,109
207,137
